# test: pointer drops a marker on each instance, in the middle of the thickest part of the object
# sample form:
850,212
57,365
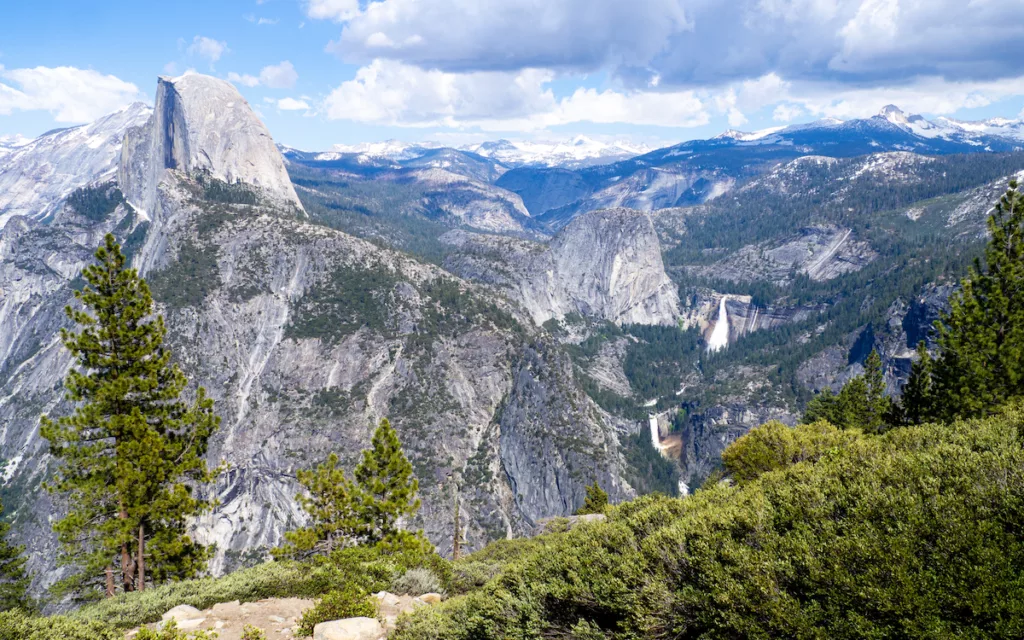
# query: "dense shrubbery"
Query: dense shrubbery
349,601
915,533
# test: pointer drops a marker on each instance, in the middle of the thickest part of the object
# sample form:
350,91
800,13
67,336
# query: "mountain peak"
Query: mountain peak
893,114
202,124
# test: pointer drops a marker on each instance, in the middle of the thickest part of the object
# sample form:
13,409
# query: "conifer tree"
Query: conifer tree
595,502
132,450
861,403
387,487
330,500
981,339
13,579
917,402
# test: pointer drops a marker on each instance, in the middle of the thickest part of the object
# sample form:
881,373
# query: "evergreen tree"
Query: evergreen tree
386,486
132,450
917,402
861,403
330,501
981,339
13,579
595,502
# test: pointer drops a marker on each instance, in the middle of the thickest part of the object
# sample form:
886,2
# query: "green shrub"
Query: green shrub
17,625
170,631
916,533
253,633
349,601
416,582
774,446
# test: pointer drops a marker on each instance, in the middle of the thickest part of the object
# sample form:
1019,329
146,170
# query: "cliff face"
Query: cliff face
605,265
202,125
304,336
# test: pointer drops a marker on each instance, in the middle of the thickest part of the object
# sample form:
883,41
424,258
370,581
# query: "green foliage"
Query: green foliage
595,502
657,363
216,190
366,511
332,505
170,631
190,278
860,404
980,365
917,401
416,582
387,487
774,446
96,203
250,632
648,471
18,625
348,602
132,450
13,579
350,298
918,532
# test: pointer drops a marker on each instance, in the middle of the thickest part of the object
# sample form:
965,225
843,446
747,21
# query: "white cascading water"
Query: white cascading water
720,334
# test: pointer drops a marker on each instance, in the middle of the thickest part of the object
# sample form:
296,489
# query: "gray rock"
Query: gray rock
349,629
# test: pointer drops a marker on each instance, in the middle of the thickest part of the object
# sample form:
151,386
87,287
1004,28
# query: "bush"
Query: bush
915,533
416,582
348,602
170,631
774,446
17,625
253,633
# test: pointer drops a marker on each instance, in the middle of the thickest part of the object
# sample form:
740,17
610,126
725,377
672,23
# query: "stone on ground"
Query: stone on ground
349,629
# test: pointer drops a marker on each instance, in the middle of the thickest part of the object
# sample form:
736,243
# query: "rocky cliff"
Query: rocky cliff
202,125
605,265
304,336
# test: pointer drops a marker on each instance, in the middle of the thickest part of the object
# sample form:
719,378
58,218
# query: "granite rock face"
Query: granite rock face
605,265
202,125
36,177
305,337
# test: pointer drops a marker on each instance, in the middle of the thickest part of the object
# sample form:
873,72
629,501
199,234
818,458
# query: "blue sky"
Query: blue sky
322,72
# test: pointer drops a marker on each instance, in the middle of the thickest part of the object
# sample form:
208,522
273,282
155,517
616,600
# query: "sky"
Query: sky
324,72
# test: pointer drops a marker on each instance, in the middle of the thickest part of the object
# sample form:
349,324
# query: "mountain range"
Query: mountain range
527,316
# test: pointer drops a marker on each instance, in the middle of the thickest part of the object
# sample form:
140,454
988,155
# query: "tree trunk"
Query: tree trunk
141,563
127,563
110,582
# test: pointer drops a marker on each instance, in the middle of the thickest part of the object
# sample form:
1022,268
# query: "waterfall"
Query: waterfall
720,335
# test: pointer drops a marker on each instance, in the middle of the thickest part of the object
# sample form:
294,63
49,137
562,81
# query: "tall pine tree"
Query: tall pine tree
862,402
387,487
13,579
980,364
330,501
132,451
917,402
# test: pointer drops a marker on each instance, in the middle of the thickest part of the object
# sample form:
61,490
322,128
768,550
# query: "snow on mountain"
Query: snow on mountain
743,136
36,176
394,150
578,152
9,144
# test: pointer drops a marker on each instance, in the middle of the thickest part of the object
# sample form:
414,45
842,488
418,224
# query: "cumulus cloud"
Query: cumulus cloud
279,76
292,104
391,93
337,10
72,95
690,42
275,76
207,48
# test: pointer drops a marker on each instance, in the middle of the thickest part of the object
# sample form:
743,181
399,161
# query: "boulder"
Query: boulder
349,629
430,598
185,617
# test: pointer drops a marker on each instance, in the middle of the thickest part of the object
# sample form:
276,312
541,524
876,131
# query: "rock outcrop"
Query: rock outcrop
202,125
37,176
605,265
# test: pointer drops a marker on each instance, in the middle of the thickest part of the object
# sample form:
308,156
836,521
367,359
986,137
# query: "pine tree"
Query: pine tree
330,500
981,339
132,450
917,402
13,579
595,502
861,403
387,487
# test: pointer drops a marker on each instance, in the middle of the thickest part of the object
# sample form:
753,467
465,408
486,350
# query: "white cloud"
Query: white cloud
243,79
338,10
275,76
787,112
391,93
207,48
291,104
72,95
279,76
